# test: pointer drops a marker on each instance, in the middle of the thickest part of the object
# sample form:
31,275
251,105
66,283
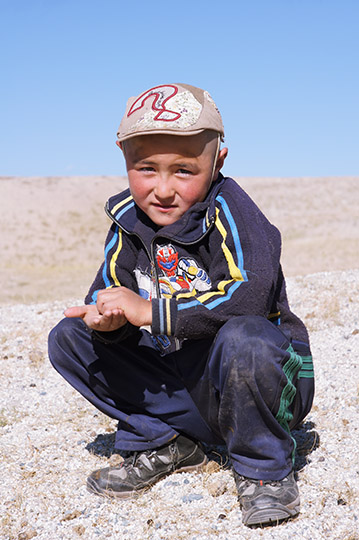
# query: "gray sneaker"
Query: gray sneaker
266,502
143,469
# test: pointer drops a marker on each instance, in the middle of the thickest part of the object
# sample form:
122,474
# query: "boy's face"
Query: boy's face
168,173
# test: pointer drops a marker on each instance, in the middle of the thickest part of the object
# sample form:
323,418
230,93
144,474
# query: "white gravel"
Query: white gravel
51,439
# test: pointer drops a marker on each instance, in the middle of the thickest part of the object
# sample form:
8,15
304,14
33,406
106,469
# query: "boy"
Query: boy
186,335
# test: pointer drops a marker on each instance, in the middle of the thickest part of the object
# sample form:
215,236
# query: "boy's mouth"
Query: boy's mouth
164,207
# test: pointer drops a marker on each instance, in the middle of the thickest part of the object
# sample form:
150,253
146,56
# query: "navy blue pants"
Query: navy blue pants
241,389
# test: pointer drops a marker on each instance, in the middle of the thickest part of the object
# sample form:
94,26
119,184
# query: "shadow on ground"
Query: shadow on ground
308,440
306,437
104,446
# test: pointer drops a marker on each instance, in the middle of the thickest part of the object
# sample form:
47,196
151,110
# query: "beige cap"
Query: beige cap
172,109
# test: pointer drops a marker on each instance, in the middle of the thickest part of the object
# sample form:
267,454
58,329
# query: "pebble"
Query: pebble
192,497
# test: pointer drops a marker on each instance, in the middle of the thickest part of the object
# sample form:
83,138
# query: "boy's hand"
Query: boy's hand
135,309
114,307
95,320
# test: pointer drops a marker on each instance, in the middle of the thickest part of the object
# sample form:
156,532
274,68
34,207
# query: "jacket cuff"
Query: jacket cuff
164,315
116,335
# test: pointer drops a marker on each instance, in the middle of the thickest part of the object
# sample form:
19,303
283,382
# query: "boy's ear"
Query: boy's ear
220,161
119,144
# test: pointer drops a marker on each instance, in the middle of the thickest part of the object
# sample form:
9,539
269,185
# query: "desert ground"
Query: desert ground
52,234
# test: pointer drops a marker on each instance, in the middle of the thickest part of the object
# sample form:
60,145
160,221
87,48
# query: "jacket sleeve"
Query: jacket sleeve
111,274
282,315
243,264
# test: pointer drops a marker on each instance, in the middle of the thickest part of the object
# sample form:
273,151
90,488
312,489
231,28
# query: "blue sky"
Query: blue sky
284,74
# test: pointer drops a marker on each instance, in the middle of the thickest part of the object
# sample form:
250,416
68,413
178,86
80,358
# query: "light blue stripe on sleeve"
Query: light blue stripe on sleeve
234,232
108,248
216,302
160,307
188,305
228,295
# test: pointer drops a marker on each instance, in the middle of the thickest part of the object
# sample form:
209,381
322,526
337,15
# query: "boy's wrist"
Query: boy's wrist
148,315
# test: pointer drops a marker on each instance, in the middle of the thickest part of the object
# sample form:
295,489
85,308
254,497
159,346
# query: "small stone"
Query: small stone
217,488
36,357
171,483
79,529
71,515
114,460
192,497
212,467
28,534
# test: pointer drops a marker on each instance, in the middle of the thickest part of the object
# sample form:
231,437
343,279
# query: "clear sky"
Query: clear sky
284,74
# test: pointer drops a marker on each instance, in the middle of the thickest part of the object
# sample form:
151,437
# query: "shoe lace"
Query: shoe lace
139,459
246,481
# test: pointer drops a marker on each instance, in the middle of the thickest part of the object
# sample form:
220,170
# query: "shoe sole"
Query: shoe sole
92,486
272,515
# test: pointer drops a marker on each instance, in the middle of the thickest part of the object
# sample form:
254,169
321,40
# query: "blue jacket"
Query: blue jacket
219,260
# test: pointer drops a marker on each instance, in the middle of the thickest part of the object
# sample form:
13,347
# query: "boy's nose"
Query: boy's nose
164,188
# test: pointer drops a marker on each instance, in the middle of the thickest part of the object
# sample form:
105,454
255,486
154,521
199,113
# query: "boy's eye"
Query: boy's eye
184,171
146,169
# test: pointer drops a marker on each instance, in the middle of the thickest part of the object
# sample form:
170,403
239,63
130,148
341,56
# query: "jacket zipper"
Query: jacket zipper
150,254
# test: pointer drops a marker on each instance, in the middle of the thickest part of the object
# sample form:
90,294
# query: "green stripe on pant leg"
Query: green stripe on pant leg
284,415
307,371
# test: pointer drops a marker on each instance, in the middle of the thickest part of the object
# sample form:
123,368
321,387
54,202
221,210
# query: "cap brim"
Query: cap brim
178,133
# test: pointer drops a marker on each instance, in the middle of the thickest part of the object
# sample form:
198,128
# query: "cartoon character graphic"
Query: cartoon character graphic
167,259
175,275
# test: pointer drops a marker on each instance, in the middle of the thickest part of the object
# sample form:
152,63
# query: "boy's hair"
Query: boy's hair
170,109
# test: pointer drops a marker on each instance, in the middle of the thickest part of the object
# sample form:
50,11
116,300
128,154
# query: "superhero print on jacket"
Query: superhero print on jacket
176,274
